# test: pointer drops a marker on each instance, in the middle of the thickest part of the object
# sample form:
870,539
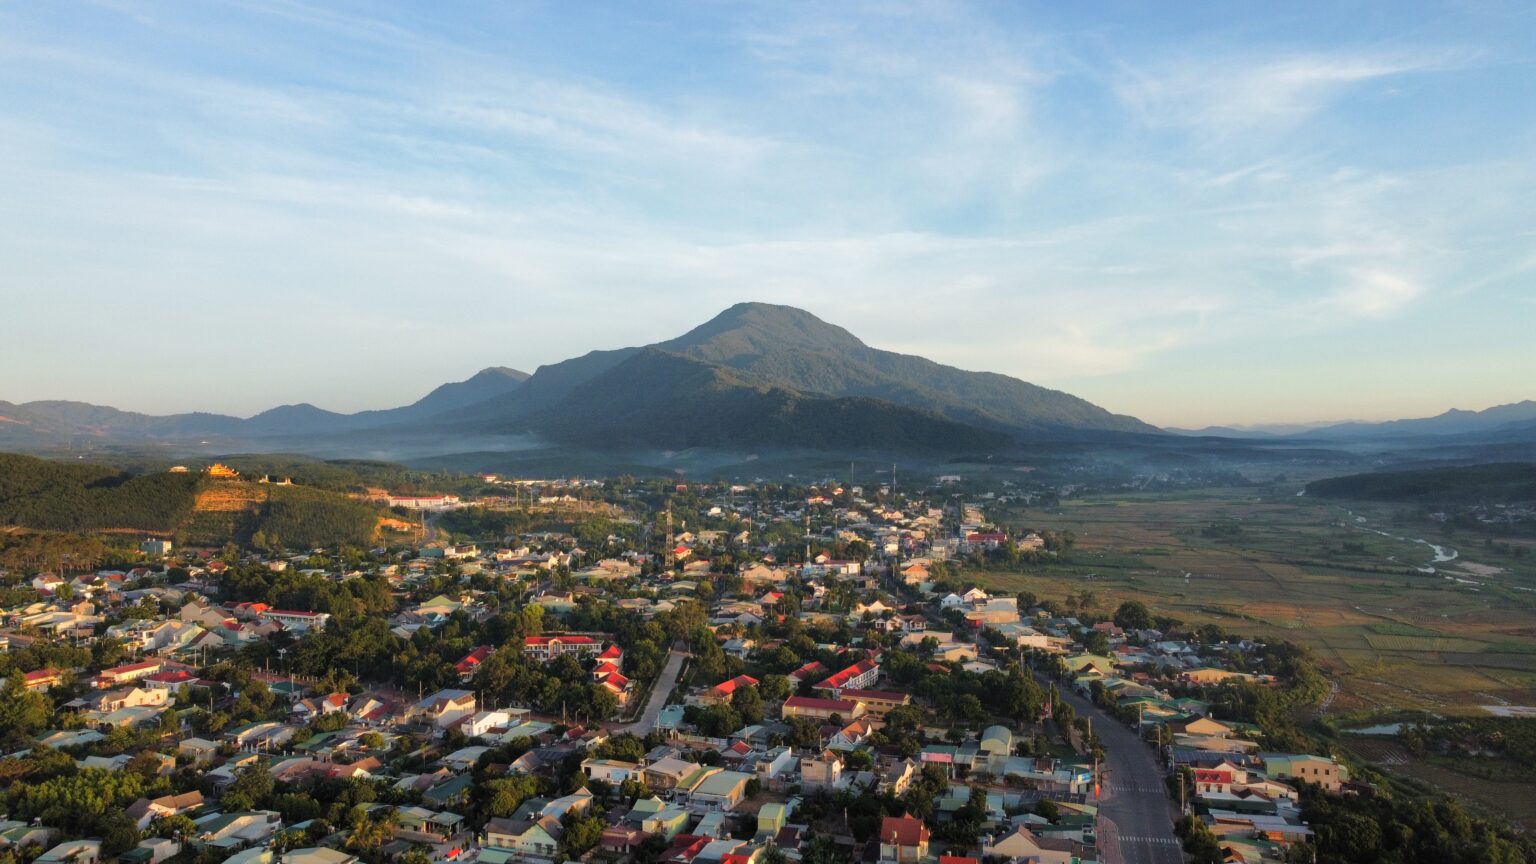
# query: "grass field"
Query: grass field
1351,583
1515,801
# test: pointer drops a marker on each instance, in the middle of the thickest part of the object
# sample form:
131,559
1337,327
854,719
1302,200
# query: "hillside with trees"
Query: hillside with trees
66,496
1495,483
56,496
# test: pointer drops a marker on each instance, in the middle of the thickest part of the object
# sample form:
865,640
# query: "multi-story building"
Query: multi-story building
547,648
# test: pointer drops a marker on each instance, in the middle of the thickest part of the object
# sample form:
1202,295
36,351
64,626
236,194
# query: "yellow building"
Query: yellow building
222,472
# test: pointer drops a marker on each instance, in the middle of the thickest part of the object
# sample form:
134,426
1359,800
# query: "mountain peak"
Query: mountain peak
491,373
755,328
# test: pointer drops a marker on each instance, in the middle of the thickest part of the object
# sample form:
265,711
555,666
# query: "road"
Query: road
1134,799
659,693
1136,813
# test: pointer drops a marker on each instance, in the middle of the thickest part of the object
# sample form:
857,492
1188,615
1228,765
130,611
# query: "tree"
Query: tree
824,850
1133,615
1356,837
417,854
118,834
748,703
145,763
1096,642
719,721
178,827
581,834
1200,844
502,796
623,746
23,713
370,830
804,732
774,687
633,788
251,787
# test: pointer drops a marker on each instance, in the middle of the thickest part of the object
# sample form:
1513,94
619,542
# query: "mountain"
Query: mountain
544,389
483,386
1453,422
656,399
301,419
1220,432
54,420
1262,431
754,377
793,348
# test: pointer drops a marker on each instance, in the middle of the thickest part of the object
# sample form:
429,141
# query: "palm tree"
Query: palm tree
372,830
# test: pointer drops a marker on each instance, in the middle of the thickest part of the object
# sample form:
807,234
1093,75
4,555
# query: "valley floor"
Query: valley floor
1361,587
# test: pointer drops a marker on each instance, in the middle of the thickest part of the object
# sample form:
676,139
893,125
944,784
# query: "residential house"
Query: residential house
671,773
534,840
654,816
126,674
419,823
610,770
145,810
444,708
72,852
234,830
774,764
42,680
722,692
471,662
903,839
1320,770
899,776
296,621
1023,845
821,771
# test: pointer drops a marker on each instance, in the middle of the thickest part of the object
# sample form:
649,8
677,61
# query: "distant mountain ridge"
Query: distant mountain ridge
1514,419
756,376
1453,422
62,419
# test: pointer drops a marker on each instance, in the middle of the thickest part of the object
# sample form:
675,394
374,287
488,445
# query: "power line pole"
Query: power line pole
671,544
807,533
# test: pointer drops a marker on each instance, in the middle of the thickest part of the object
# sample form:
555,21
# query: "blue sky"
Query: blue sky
1192,213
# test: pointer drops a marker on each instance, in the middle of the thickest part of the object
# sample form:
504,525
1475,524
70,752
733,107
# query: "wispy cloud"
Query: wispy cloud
1230,95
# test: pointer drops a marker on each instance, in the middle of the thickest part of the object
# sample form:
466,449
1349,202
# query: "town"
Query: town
743,672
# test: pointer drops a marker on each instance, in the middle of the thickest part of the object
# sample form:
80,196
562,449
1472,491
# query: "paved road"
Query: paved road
663,688
1135,803
1135,800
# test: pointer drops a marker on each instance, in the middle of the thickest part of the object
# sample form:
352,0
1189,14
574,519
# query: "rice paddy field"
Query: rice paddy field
1399,615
